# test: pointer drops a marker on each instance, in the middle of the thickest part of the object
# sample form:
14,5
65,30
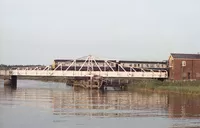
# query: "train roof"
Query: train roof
67,60
151,62
120,61
61,60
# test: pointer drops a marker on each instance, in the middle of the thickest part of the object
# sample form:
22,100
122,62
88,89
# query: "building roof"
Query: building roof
185,56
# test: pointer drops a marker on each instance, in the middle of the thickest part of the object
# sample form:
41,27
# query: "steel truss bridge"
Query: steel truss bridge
90,62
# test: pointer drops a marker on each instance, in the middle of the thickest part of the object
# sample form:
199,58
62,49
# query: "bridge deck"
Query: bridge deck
84,73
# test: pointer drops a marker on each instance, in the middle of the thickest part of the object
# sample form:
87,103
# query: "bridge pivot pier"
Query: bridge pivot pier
12,82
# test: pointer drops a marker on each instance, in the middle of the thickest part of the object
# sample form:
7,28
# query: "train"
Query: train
109,65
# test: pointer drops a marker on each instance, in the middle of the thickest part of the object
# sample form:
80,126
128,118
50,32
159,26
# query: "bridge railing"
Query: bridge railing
85,73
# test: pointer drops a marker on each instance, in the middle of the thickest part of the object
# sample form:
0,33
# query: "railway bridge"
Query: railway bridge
86,76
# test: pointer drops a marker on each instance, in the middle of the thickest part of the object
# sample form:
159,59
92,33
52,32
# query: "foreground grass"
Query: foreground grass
183,87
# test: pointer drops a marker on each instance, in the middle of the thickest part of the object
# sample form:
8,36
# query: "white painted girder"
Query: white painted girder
84,73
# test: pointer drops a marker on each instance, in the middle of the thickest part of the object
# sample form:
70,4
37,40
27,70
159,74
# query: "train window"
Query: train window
130,65
112,64
135,65
138,65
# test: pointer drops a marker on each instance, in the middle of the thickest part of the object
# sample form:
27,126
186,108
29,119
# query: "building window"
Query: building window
183,63
157,65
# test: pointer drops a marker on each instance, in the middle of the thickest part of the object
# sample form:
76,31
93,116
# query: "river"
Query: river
36,104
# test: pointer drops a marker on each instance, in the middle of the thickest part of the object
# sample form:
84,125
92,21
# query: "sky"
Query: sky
39,31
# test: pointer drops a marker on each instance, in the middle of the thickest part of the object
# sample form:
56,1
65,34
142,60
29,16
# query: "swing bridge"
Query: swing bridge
89,63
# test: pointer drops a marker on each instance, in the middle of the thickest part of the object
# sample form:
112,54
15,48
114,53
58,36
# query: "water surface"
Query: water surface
49,105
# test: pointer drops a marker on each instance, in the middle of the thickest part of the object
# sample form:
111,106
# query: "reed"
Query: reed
184,87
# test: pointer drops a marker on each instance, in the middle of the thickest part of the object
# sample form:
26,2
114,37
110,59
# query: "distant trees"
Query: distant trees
3,66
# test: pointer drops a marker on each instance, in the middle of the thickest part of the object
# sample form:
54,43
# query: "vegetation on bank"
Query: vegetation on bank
182,87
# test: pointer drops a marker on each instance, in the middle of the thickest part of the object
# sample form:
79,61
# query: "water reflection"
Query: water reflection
109,104
89,102
104,104
184,106
64,102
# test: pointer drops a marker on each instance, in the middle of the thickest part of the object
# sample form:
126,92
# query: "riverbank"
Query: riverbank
46,79
180,87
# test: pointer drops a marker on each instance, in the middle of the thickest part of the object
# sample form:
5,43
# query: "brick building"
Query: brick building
184,66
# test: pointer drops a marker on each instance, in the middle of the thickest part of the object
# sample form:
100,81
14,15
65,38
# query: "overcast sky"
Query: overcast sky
38,31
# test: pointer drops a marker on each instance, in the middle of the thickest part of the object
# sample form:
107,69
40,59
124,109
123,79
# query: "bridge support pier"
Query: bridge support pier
12,82
103,86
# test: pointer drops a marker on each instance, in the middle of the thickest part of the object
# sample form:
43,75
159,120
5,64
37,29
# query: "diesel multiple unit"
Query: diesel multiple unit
109,65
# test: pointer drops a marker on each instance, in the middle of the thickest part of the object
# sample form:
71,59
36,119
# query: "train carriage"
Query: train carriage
143,65
109,65
96,65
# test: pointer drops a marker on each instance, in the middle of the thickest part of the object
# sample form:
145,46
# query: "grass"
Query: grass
183,87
